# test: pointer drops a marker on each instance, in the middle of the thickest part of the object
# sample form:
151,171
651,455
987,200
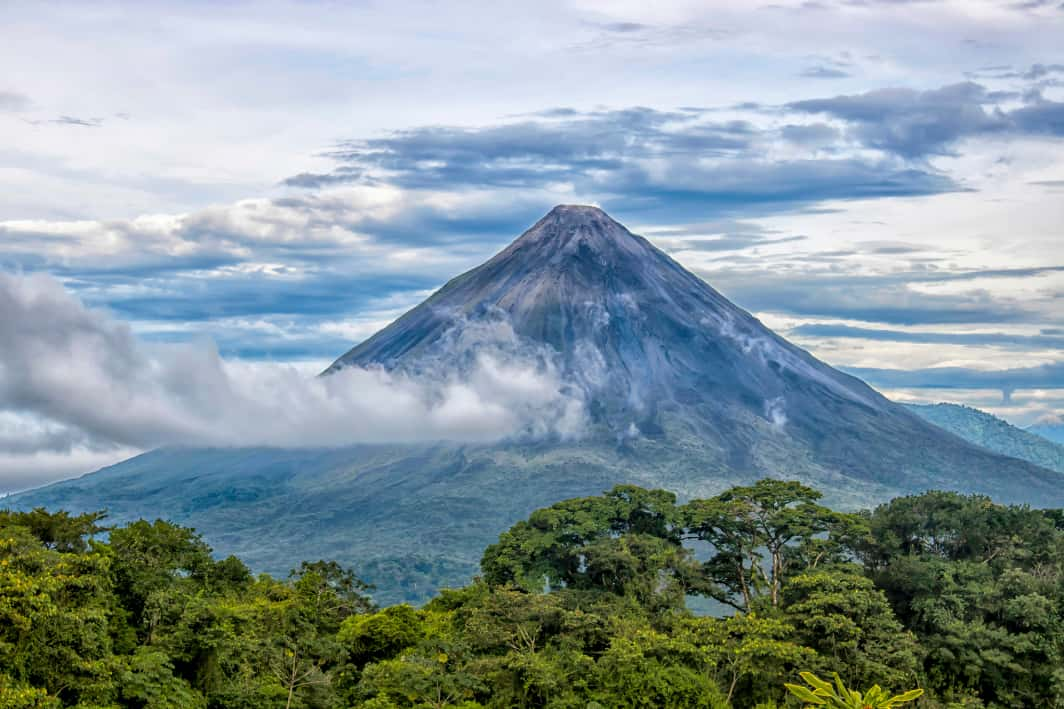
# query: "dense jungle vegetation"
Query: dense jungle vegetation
584,605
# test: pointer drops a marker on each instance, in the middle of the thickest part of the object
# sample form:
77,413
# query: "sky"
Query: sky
193,194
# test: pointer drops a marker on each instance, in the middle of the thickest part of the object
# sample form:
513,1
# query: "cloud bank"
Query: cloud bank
71,377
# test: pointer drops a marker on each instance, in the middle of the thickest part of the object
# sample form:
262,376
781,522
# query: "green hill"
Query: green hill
990,432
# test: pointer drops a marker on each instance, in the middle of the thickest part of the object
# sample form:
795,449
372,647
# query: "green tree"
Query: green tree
980,585
59,531
756,534
381,635
646,668
53,620
849,623
625,542
747,655
330,593
434,677
154,556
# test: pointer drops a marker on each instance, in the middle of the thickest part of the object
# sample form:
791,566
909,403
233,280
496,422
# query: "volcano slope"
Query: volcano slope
679,388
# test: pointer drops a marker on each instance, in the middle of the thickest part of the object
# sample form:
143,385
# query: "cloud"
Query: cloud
290,277
23,471
884,298
75,121
1047,339
89,383
12,101
358,227
625,34
69,121
908,122
719,235
1047,376
813,134
823,72
1039,71
532,152
913,124
670,165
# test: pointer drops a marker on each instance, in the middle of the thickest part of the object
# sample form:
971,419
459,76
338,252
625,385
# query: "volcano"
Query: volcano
681,389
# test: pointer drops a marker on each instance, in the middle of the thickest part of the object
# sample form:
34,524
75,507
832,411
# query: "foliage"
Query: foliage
581,605
626,542
759,534
837,696
849,623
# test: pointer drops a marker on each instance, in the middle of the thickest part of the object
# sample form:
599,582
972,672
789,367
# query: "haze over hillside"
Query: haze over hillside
990,432
1052,431
673,386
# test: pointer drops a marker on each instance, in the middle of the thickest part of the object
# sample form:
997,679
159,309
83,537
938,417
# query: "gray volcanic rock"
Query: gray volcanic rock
683,390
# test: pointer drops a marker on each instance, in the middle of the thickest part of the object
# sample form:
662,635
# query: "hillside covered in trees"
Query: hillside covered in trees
584,604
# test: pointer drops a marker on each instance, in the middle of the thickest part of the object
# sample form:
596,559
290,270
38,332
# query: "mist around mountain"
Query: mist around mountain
993,433
665,383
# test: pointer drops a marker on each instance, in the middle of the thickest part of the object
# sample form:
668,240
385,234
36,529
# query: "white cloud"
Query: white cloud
89,383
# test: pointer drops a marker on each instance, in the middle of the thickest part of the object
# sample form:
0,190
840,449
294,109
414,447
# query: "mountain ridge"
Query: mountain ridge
993,433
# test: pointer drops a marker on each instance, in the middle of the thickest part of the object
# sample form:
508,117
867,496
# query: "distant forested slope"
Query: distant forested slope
990,432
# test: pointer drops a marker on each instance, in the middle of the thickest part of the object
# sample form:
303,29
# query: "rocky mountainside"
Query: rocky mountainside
680,389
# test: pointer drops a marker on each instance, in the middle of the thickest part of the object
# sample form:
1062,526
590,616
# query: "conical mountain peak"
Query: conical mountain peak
577,212
620,315
576,227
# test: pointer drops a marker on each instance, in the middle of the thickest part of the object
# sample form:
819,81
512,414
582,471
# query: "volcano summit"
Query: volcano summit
677,388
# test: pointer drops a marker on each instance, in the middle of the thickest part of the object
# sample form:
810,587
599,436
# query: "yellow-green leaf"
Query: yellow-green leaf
804,694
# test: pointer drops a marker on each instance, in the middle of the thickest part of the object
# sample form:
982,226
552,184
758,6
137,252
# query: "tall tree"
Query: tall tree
626,542
755,533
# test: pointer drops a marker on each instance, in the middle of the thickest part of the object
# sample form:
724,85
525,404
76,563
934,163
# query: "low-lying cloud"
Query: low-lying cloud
86,380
